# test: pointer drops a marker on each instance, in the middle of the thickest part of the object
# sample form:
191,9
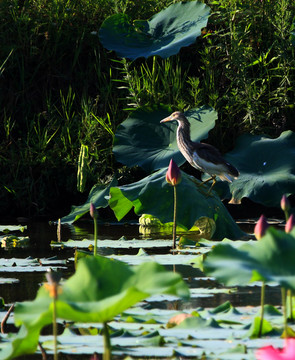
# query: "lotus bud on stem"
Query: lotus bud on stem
290,224
261,227
173,177
94,215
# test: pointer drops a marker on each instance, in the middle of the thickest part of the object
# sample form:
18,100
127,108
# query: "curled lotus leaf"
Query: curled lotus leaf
164,34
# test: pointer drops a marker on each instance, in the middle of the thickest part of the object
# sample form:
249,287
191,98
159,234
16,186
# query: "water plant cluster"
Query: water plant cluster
64,94
100,308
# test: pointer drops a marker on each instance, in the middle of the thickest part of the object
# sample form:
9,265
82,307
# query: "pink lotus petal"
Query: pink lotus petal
270,353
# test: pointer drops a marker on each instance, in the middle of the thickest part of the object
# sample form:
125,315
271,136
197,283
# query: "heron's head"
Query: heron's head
177,115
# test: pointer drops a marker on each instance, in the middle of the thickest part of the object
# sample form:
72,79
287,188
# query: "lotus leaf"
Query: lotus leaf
97,196
154,196
267,168
269,259
164,34
99,290
141,139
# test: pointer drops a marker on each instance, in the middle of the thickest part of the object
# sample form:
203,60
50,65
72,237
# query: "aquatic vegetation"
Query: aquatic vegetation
164,34
151,144
266,168
99,290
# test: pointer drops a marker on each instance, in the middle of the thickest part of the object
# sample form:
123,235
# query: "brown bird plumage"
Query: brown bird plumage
203,157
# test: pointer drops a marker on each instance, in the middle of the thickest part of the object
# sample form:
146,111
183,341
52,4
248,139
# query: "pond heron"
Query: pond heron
204,157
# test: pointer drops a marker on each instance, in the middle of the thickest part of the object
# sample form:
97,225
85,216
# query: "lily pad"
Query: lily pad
164,34
29,264
152,195
266,168
142,141
10,228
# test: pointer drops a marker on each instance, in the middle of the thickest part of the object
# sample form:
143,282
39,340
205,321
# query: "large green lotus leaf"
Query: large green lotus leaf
153,195
164,34
267,168
269,259
97,196
141,139
99,290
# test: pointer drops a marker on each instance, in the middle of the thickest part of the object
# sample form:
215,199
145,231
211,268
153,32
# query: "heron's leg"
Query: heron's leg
209,179
213,183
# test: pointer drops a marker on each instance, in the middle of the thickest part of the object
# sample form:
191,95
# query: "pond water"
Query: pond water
42,234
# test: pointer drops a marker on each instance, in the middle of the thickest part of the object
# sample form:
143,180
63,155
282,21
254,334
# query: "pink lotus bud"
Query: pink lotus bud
93,211
173,174
285,204
290,224
260,227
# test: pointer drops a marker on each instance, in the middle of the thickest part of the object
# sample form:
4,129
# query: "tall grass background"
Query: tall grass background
62,95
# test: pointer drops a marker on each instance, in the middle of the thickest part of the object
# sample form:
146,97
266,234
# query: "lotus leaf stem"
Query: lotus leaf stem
54,326
107,354
284,304
262,297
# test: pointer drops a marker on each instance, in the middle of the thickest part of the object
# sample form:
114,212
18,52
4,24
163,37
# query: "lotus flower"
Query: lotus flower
270,353
285,204
290,224
173,175
260,227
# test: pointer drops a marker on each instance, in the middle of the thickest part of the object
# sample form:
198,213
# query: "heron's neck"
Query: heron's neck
184,133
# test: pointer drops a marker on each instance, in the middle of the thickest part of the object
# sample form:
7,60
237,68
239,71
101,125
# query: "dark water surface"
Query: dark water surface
42,234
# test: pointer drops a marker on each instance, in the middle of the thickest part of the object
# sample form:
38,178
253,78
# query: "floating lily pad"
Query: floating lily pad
164,34
11,228
141,139
30,264
114,244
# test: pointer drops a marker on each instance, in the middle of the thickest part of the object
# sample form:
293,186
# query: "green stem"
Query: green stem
174,218
107,354
284,304
262,297
286,212
290,293
54,325
95,237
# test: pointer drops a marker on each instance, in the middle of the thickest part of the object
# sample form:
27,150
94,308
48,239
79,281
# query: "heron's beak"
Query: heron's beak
168,118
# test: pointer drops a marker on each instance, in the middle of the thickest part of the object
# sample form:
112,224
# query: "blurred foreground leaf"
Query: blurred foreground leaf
99,290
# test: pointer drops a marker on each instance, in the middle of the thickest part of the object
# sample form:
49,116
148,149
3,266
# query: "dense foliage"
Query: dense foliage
60,89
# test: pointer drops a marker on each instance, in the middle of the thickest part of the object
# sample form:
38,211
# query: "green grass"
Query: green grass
61,90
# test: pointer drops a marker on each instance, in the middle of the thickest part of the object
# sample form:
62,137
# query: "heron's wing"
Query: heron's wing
209,153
